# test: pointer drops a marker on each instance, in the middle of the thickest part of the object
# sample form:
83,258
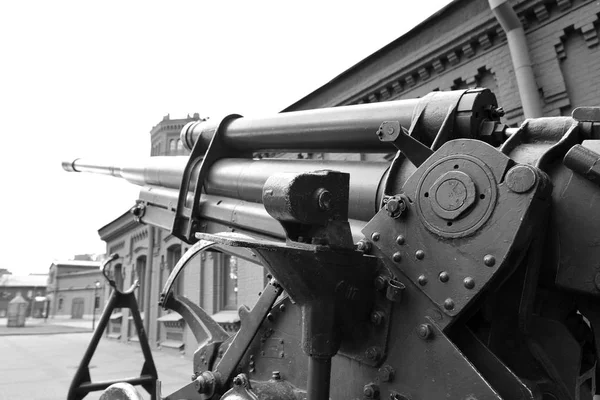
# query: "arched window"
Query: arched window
179,146
140,266
172,145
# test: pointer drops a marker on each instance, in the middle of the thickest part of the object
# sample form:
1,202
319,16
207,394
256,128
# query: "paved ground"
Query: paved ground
40,367
37,326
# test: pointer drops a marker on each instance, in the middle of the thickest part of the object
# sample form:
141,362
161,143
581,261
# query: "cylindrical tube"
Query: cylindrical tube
348,129
319,378
243,179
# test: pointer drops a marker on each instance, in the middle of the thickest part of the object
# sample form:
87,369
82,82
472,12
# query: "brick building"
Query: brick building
460,46
75,289
29,286
217,282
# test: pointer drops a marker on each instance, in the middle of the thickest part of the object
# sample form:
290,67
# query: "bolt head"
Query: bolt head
469,282
424,331
375,236
371,391
489,260
364,246
444,277
373,353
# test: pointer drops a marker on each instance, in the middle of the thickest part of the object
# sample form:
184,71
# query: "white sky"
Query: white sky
90,79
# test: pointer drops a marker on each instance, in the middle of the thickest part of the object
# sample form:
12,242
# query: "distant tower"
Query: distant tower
164,136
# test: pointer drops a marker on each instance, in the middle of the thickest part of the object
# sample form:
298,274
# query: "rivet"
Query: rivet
270,317
420,254
422,280
375,236
424,331
377,317
449,304
469,282
400,240
397,257
444,277
489,260
282,308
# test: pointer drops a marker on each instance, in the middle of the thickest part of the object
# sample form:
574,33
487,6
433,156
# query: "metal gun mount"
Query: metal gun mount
465,269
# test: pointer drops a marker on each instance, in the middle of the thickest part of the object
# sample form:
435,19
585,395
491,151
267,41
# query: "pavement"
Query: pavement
40,326
41,366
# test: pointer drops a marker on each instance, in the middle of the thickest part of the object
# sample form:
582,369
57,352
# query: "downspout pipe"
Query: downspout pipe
519,53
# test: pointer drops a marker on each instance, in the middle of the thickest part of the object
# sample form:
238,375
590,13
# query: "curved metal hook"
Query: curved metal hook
111,282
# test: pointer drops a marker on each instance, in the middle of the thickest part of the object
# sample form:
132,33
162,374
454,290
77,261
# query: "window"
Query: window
118,276
172,145
60,304
173,255
97,302
140,269
229,287
179,147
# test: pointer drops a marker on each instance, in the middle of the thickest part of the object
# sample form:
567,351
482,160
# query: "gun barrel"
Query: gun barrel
347,129
244,179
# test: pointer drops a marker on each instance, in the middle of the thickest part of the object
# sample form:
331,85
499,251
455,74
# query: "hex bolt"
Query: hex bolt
375,236
364,246
420,254
449,304
395,207
469,282
377,317
400,240
371,391
397,257
386,373
422,280
489,260
444,277
325,199
424,331
276,375
238,380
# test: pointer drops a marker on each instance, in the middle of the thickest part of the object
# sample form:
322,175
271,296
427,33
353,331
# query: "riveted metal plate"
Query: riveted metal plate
452,271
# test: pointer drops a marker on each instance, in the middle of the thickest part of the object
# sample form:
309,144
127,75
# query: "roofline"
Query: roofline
365,61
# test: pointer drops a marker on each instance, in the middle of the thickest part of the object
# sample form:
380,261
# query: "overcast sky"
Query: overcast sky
90,79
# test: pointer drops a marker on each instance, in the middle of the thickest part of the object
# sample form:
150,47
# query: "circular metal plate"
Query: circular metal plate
471,219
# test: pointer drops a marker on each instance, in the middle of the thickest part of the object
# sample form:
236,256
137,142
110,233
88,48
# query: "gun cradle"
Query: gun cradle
476,277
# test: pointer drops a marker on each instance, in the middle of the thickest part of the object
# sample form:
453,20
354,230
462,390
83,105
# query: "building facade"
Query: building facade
75,289
31,287
217,282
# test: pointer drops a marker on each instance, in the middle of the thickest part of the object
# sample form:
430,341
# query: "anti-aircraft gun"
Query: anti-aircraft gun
465,268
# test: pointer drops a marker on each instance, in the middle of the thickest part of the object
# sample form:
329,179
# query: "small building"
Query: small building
29,287
75,289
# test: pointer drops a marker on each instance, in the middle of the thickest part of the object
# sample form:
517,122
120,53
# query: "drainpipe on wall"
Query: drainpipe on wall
148,280
519,53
